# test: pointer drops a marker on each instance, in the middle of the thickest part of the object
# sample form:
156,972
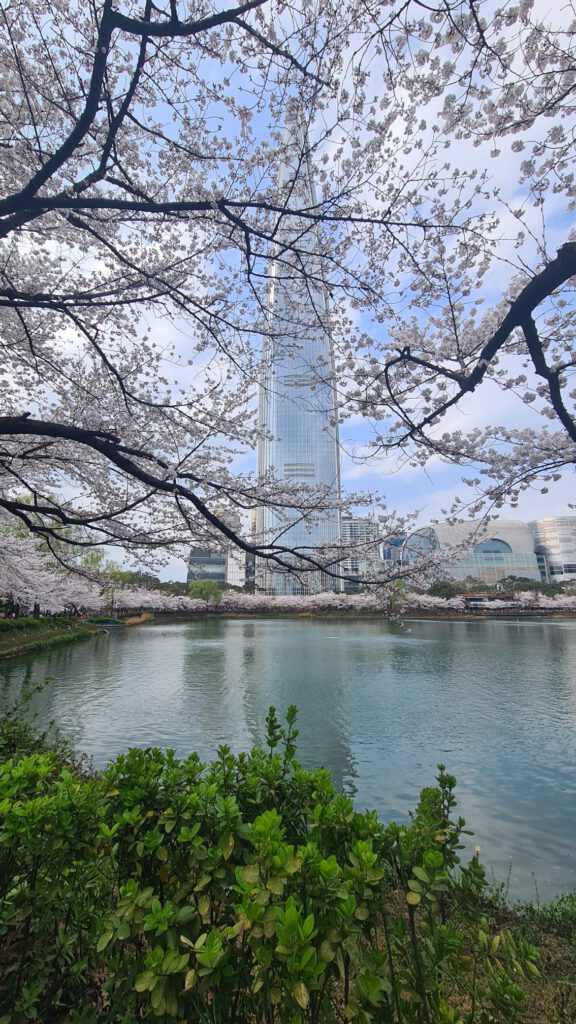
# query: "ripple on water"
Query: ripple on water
496,702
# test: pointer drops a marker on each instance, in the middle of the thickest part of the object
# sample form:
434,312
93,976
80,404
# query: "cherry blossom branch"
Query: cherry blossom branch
124,458
540,287
550,374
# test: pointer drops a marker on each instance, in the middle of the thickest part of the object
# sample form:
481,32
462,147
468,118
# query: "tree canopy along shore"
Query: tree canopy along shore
142,210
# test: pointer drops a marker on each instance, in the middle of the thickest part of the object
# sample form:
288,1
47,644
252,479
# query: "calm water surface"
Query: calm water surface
379,705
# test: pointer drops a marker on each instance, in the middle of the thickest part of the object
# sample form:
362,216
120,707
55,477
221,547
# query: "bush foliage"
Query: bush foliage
28,622
248,890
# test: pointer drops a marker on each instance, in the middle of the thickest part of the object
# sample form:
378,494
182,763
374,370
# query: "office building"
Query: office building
298,445
223,561
206,564
361,536
555,546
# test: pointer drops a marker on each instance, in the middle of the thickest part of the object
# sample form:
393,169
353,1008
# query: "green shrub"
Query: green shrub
19,733
558,917
248,890
9,625
12,625
561,915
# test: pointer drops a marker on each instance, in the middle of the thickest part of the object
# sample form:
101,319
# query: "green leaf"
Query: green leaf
226,845
157,998
193,945
202,883
174,962
251,873
421,873
413,898
185,914
374,874
433,859
189,980
326,952
308,927
301,994
292,864
146,981
104,940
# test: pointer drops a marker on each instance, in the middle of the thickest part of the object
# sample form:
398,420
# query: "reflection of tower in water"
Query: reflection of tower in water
289,666
216,687
234,670
297,409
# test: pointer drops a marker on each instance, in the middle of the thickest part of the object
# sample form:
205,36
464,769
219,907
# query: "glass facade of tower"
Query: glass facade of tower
297,408
362,536
555,545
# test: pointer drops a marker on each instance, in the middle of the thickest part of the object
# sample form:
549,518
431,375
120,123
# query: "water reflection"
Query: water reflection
379,706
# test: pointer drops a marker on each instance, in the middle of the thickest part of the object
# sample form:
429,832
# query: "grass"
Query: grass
552,927
19,636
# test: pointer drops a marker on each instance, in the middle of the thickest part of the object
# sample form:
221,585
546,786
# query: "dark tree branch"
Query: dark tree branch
551,376
181,29
82,126
124,459
542,285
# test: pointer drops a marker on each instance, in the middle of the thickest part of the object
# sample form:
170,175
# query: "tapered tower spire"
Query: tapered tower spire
297,410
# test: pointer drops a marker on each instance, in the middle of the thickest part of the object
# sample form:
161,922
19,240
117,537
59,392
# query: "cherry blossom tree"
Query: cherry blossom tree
141,207
32,579
485,295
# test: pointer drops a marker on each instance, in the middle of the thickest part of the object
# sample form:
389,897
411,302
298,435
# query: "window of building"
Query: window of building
492,546
419,544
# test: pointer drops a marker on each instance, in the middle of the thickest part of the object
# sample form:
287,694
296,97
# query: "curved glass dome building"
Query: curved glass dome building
481,551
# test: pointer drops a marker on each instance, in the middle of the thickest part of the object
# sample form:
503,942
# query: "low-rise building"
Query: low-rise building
488,552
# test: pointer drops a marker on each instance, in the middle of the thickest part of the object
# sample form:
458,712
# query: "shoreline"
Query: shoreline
18,642
542,614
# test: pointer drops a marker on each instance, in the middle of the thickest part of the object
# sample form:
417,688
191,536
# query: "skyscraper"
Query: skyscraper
297,409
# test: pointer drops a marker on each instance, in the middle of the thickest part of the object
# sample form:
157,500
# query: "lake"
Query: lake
380,705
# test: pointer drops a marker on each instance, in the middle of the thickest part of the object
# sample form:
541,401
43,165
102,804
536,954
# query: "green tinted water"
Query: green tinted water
379,705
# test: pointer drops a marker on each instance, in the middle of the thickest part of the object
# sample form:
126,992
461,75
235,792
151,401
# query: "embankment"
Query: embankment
21,636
